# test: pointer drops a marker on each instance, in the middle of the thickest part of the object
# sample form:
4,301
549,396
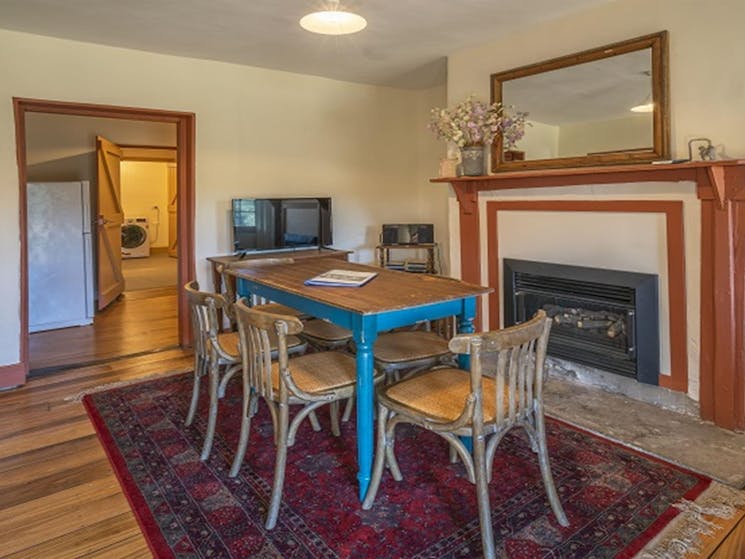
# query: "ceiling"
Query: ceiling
405,44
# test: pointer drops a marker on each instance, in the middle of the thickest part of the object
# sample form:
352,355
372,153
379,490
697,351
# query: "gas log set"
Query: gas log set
613,324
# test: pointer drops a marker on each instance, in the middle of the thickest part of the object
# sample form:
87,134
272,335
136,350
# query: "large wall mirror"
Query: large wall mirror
603,106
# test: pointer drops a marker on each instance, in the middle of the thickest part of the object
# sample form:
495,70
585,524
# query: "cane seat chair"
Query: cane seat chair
217,355
311,380
324,335
229,287
504,389
412,351
320,334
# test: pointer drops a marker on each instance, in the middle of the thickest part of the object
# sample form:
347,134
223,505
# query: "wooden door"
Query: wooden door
109,223
172,211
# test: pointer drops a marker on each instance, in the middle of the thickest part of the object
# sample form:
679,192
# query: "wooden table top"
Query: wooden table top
389,291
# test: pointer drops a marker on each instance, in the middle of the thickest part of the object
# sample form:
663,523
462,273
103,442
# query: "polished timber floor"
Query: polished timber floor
59,497
144,318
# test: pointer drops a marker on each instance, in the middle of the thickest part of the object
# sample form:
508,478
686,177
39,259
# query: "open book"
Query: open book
341,278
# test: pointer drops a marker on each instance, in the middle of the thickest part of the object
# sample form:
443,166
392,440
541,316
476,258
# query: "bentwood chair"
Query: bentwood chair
323,335
215,352
504,389
320,334
311,380
412,351
229,281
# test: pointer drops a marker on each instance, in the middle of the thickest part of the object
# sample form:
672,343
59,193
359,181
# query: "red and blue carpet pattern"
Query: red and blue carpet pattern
616,499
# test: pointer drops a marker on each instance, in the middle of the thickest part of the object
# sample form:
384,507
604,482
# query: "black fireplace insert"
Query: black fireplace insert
607,319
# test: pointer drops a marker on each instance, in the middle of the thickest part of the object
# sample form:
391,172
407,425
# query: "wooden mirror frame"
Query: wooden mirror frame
658,43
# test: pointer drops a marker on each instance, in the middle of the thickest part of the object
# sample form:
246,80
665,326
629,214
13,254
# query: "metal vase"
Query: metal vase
472,160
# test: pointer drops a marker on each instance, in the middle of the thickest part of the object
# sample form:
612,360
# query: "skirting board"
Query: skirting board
12,376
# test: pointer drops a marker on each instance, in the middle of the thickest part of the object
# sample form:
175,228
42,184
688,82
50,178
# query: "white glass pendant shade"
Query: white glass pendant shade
333,22
643,108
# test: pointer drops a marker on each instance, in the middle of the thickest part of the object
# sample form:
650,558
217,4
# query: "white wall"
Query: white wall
432,204
53,139
707,70
259,133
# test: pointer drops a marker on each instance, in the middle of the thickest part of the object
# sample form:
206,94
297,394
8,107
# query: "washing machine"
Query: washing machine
135,237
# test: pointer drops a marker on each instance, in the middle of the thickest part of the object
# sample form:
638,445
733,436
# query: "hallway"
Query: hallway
140,321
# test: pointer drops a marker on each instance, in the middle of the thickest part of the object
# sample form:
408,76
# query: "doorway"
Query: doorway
184,200
149,191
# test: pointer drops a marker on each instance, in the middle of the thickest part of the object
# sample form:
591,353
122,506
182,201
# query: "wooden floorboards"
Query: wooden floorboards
139,321
59,497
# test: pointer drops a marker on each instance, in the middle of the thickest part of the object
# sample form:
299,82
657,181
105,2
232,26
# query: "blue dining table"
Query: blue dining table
391,300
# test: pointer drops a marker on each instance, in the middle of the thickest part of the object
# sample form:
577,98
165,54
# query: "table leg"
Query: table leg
465,326
364,337
217,288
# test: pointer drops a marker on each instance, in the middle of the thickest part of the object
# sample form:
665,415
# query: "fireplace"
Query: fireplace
606,319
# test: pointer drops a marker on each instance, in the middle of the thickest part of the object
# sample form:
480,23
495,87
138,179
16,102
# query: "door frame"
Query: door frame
186,168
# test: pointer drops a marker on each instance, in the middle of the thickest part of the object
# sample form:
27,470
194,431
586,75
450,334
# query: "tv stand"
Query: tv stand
426,266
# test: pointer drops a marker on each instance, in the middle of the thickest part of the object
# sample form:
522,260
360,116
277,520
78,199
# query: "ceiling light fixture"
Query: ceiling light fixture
643,108
333,21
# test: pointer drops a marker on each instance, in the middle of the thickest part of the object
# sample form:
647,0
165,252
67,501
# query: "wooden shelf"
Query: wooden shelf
714,172
426,266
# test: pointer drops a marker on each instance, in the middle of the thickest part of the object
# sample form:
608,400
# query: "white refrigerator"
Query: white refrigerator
60,255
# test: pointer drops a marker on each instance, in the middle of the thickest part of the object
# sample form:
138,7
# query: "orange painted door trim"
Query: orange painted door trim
186,155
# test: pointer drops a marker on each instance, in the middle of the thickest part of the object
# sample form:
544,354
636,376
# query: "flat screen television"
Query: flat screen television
281,223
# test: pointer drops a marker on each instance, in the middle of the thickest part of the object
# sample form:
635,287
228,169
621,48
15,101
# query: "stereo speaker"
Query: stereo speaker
408,234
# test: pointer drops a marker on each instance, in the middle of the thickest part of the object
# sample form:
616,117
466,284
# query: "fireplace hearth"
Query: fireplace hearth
607,319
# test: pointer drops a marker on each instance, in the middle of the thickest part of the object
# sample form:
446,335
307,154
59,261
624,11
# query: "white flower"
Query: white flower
476,123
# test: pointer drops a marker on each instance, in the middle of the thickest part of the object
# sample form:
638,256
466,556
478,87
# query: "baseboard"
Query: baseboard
158,250
12,375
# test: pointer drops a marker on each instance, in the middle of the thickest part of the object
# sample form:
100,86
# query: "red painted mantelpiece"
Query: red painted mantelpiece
721,188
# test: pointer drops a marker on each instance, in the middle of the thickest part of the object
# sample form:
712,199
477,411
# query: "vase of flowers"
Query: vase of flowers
472,160
472,125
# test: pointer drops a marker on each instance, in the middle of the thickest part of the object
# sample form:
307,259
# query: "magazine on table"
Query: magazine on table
341,278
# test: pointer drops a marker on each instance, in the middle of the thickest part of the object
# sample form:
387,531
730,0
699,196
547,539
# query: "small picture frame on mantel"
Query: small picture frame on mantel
448,167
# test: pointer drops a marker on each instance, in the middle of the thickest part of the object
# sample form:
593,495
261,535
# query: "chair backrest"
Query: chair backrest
228,281
443,327
515,358
254,327
203,307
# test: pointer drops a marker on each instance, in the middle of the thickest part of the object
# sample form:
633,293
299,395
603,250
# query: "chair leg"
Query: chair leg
390,451
334,412
452,454
380,452
279,467
250,400
309,411
545,464
198,372
226,378
482,496
212,417
348,410
313,418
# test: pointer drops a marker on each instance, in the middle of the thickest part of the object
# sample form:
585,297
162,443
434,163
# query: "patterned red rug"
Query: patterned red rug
616,499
